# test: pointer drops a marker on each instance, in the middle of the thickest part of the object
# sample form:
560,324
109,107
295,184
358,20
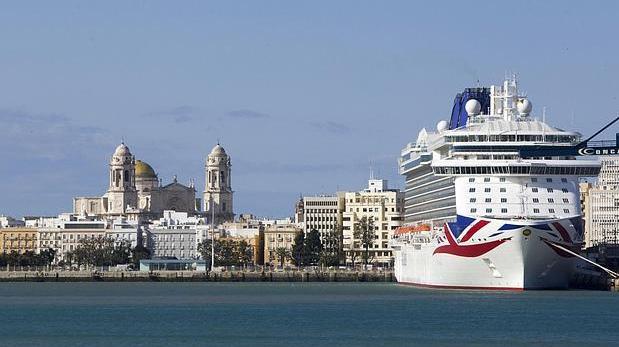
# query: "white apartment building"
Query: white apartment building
176,234
323,214
179,242
602,212
385,207
63,234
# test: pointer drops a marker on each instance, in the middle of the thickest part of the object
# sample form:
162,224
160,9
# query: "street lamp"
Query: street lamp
211,205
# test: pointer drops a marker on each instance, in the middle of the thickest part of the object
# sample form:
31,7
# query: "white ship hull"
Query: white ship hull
517,259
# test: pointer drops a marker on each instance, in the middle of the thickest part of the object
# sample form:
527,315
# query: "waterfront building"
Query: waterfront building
125,232
602,206
65,233
218,194
585,205
177,241
75,232
384,207
172,265
18,239
324,214
50,238
279,236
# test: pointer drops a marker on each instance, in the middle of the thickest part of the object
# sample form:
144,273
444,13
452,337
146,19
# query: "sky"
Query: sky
305,96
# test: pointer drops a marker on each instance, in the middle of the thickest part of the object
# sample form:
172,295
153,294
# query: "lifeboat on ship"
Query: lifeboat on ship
407,229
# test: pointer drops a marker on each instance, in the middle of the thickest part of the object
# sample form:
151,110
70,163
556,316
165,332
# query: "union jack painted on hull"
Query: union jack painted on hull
488,254
497,220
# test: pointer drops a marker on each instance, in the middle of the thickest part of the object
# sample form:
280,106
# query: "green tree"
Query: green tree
365,232
298,249
100,251
244,253
204,248
313,248
228,255
227,252
138,253
47,256
332,254
282,254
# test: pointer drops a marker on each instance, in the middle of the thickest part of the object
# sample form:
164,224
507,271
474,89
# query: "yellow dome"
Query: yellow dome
143,170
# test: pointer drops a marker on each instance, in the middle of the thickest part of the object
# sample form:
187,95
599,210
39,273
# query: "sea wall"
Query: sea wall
195,276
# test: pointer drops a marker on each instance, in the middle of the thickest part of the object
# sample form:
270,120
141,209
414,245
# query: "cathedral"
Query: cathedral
135,191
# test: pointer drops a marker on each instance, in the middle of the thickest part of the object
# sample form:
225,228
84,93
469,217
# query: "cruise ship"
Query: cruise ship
481,215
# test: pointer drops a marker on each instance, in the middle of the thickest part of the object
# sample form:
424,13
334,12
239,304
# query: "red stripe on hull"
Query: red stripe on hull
475,228
438,286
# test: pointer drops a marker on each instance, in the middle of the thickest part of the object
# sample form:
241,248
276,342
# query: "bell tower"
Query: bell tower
218,186
121,193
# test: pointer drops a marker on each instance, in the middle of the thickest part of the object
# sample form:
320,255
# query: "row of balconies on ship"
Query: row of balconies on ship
451,167
443,186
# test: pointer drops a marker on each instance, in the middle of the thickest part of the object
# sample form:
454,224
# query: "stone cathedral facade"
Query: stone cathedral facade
136,191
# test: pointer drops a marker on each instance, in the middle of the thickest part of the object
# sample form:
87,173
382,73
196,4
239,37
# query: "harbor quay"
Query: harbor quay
169,233
292,275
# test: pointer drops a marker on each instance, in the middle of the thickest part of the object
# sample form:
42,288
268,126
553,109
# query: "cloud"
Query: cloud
247,114
49,136
179,114
331,127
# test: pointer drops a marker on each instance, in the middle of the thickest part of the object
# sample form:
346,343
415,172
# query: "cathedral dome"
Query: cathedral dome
218,151
122,150
143,170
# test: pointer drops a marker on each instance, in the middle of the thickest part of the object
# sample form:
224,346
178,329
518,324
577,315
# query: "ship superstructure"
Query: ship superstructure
494,216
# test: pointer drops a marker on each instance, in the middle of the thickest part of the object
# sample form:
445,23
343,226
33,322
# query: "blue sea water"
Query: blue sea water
300,314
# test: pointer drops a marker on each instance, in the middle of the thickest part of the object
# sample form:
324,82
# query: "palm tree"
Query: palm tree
282,254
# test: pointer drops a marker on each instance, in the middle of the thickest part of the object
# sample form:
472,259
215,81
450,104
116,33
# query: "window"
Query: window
551,200
503,210
473,210
503,190
564,180
488,210
565,210
536,210
471,190
565,200
503,199
564,190
533,179
487,190
486,179
471,180
502,179
472,200
549,180
551,210
550,190
488,200
534,190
